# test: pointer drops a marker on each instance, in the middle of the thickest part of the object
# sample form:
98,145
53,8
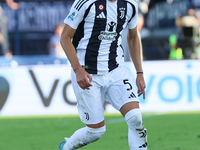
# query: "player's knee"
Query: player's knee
96,133
134,119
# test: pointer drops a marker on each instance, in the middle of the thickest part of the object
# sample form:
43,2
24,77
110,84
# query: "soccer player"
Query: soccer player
91,39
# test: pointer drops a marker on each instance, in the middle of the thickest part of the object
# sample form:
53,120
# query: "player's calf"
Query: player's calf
137,134
83,137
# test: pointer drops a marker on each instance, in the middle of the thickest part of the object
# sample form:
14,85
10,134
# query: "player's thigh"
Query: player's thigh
122,90
89,102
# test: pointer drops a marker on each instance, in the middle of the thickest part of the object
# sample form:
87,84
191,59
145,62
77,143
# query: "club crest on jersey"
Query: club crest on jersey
101,7
122,12
72,16
110,33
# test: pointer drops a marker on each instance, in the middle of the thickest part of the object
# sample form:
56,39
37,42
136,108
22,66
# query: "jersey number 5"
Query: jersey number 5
127,82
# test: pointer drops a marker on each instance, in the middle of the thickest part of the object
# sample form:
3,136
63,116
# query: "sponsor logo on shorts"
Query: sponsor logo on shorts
132,95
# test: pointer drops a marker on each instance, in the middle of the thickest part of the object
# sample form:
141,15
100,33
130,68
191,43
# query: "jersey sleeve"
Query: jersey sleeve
134,20
76,14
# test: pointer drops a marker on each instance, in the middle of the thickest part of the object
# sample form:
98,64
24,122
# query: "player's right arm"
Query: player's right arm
65,40
72,21
81,75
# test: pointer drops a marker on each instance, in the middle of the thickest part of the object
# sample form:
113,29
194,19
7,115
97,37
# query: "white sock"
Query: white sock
137,134
84,136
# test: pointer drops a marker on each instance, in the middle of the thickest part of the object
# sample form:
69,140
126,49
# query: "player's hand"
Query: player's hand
83,78
141,85
13,5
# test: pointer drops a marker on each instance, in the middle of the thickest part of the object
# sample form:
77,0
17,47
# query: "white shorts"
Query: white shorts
117,87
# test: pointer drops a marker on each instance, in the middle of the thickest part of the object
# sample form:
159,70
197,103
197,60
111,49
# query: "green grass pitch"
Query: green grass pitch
177,131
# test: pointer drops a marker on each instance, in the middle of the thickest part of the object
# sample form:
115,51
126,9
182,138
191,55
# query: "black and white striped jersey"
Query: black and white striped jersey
99,24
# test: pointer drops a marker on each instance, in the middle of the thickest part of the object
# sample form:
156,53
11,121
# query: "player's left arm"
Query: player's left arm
134,50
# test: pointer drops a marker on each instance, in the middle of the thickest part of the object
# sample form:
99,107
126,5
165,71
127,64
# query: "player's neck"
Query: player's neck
112,0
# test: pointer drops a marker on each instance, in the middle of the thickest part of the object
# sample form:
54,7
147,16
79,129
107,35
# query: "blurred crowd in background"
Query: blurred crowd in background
169,29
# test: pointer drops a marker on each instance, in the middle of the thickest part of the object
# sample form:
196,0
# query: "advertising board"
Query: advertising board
47,89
